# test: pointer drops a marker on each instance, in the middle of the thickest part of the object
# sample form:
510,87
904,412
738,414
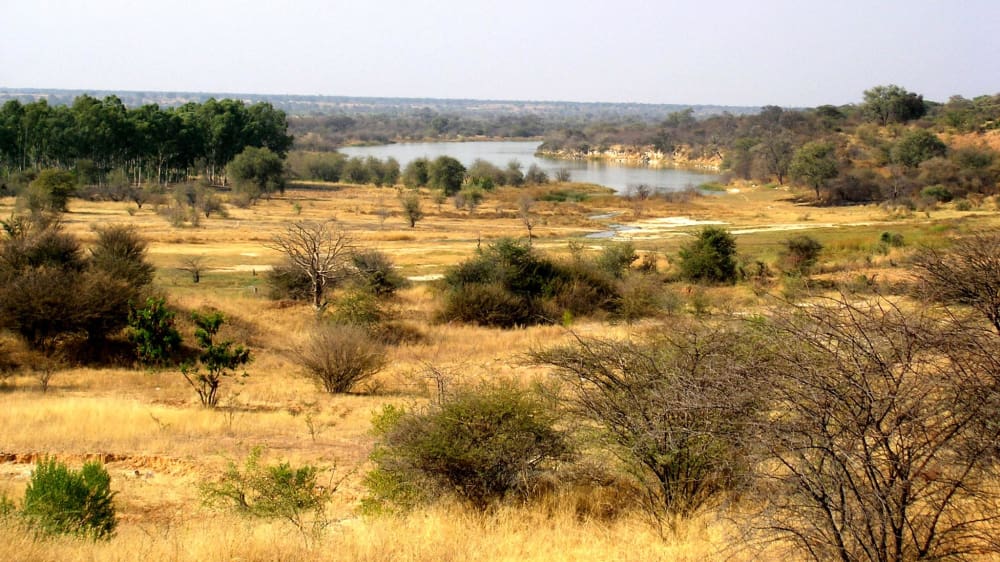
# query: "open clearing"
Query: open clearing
159,444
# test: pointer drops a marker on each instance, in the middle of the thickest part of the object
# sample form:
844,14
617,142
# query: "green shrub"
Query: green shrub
616,258
271,492
377,273
939,193
63,501
481,445
710,257
800,254
151,329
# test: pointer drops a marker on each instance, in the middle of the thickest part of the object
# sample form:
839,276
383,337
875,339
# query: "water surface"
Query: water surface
616,176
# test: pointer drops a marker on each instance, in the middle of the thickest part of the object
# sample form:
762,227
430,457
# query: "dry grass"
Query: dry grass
159,444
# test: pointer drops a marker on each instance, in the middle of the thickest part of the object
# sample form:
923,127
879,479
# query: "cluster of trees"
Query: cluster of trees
883,148
336,167
96,136
63,302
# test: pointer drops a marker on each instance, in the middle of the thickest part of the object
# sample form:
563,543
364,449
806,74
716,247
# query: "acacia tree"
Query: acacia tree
411,208
882,436
967,273
321,251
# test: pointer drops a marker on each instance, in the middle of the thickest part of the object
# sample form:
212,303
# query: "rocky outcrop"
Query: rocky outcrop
639,156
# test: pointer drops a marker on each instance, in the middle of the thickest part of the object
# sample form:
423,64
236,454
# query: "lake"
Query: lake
616,176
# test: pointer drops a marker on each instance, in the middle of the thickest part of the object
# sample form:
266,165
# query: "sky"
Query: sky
724,52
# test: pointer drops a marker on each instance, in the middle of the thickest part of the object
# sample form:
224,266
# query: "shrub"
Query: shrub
285,281
938,193
63,501
121,253
151,329
271,492
678,409
220,360
481,445
616,258
340,357
800,254
377,273
710,257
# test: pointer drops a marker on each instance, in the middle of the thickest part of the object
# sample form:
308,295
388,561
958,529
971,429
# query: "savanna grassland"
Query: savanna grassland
159,444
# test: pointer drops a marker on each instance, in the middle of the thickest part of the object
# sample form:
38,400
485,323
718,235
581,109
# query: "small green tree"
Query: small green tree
917,146
63,501
219,360
813,164
257,172
447,174
711,257
151,329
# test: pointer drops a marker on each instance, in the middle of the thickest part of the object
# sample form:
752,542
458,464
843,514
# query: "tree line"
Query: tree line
884,148
95,137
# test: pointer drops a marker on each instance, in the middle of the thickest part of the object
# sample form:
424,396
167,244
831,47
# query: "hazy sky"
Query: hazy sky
746,52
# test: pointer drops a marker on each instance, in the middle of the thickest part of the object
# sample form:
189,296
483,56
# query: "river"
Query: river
616,176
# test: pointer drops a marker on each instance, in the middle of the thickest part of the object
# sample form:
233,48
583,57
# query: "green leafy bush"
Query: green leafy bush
271,492
710,257
63,501
151,329
482,445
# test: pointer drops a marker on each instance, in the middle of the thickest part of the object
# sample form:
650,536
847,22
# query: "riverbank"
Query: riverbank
639,156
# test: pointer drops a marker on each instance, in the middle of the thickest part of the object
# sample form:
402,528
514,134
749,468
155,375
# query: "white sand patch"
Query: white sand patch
430,277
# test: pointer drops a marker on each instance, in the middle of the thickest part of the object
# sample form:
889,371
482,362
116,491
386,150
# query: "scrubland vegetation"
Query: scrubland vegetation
343,367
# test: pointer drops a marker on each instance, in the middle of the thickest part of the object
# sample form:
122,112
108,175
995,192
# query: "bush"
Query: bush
616,258
678,409
121,253
938,193
285,281
271,492
481,445
63,501
377,273
340,357
800,254
151,329
710,258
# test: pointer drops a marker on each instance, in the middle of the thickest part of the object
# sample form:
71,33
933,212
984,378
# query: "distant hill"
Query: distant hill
297,105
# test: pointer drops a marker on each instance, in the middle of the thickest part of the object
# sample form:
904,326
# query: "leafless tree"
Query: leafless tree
524,207
966,273
321,250
881,437
194,265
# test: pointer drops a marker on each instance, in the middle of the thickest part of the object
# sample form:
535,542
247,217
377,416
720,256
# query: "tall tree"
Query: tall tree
814,163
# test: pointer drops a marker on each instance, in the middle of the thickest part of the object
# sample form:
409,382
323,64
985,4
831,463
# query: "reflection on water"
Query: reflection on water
617,176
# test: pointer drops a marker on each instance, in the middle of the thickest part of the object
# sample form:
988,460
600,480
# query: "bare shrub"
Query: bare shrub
340,357
676,409
966,273
881,433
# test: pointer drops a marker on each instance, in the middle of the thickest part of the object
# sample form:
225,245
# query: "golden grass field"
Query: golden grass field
159,444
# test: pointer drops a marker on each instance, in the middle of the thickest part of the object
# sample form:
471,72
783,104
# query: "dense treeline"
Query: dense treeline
97,136
884,148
